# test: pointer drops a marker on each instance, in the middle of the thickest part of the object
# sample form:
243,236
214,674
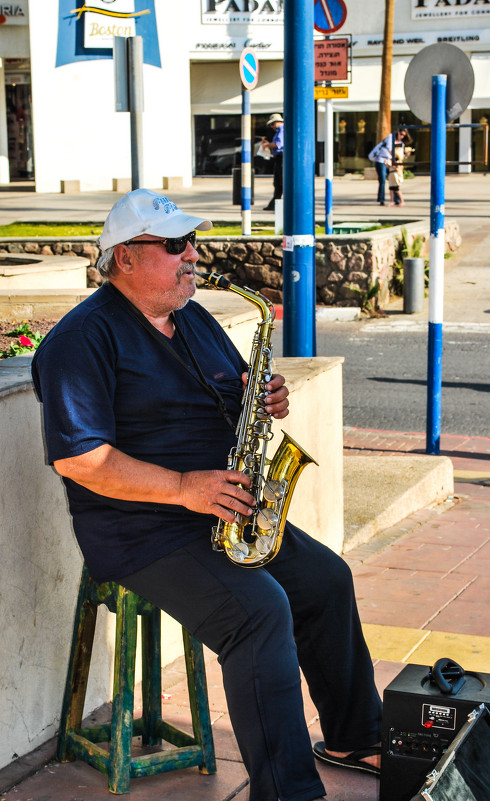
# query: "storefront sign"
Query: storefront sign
331,59
87,31
245,12
438,9
14,13
239,44
103,22
331,92
414,41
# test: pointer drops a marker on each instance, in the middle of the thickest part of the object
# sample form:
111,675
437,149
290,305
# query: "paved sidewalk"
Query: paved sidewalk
423,589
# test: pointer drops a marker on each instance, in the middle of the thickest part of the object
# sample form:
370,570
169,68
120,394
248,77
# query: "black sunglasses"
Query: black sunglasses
174,246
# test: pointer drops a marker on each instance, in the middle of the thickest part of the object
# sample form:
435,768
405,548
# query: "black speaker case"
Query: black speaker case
464,770
410,749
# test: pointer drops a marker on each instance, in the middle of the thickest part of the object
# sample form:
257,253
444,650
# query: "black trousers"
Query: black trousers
264,624
278,179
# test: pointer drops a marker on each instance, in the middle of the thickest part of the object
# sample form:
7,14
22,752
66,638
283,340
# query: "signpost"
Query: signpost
445,98
332,63
249,74
299,334
128,72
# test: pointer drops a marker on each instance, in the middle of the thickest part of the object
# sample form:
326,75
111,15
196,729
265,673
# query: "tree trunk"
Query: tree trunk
384,117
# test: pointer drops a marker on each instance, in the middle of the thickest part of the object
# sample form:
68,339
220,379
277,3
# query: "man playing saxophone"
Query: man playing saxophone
141,390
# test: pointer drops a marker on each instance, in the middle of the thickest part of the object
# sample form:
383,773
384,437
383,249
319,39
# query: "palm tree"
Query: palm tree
384,117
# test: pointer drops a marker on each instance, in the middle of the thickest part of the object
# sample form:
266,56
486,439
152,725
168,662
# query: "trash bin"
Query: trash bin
413,285
237,186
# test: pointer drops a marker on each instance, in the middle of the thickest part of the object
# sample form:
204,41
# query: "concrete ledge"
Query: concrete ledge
25,272
342,314
172,183
380,491
315,423
70,187
22,304
121,185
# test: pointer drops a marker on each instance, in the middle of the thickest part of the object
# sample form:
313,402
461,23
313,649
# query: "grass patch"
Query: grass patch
50,229
40,230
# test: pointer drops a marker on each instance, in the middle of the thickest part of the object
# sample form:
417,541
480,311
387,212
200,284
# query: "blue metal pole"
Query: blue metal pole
299,181
328,161
436,262
246,196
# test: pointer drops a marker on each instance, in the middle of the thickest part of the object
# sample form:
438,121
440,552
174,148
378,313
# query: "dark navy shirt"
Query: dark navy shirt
103,379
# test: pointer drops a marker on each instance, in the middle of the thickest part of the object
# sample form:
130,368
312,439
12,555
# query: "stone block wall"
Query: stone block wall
347,266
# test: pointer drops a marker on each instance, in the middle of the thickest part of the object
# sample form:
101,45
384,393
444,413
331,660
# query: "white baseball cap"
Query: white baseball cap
145,212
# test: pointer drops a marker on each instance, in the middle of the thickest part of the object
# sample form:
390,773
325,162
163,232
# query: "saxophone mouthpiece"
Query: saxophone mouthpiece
216,279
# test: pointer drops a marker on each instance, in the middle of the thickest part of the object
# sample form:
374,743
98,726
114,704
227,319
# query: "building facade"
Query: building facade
58,120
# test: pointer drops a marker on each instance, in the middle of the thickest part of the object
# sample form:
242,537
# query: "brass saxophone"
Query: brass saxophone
253,541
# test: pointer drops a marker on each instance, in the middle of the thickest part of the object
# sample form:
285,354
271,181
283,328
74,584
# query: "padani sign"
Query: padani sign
86,31
445,9
245,12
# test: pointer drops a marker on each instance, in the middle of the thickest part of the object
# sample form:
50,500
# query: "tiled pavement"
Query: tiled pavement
423,589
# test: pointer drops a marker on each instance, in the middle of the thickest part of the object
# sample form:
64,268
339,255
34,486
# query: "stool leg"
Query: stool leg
151,675
123,695
78,668
198,696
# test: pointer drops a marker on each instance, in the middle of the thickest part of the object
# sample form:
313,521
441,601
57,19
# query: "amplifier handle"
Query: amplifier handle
447,675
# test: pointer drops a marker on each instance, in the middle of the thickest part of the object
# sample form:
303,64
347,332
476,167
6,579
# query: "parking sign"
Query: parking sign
249,68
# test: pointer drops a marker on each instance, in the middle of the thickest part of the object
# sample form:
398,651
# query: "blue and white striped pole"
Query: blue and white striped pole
246,196
299,181
436,262
328,166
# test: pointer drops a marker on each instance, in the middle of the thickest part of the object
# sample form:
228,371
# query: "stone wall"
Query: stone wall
347,266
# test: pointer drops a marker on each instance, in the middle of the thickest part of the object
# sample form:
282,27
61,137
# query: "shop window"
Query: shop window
479,139
19,130
218,144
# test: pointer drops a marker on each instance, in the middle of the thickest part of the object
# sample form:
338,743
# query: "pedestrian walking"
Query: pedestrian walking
276,149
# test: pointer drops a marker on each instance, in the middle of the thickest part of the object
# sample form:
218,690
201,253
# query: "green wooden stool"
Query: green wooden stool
77,743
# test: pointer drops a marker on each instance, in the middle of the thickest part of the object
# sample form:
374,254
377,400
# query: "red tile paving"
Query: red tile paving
432,570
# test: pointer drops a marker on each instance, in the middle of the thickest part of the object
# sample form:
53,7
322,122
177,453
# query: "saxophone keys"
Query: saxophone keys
262,428
266,518
263,544
240,551
272,491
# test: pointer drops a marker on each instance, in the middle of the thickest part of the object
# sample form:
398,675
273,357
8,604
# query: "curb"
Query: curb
329,314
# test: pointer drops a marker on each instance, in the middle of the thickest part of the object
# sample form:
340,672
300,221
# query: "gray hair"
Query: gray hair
106,264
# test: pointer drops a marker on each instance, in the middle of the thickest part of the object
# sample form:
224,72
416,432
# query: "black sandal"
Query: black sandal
352,760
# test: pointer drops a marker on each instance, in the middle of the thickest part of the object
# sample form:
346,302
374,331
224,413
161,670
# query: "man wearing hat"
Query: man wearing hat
142,391
276,148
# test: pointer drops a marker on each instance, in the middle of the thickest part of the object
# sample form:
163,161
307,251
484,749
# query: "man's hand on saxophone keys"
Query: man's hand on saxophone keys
277,402
216,492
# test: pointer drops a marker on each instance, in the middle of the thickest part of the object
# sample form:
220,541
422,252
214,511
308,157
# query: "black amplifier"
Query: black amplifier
420,720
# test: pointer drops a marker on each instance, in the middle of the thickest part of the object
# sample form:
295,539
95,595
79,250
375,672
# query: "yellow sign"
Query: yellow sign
331,92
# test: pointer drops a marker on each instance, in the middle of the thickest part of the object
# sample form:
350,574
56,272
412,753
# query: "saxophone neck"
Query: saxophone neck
216,280
253,296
